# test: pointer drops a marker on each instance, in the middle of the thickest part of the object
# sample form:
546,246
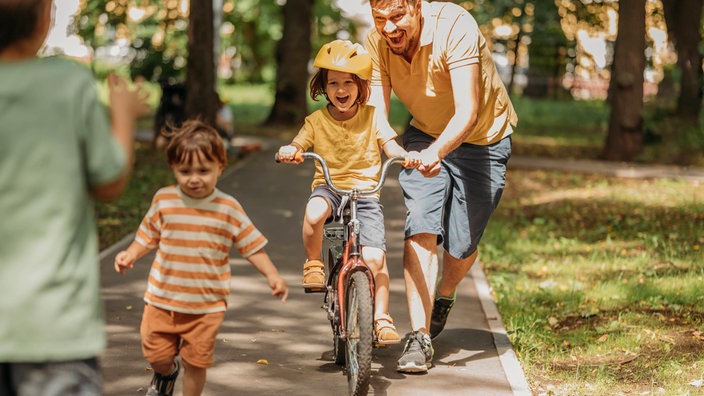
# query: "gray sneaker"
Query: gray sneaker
417,354
441,310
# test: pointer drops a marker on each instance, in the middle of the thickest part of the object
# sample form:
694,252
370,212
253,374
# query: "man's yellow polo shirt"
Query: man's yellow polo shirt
351,148
450,38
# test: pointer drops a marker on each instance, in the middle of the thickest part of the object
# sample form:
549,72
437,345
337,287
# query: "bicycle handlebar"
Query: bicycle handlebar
326,172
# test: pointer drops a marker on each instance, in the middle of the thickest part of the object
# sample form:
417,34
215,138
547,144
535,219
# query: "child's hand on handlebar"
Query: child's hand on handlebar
412,160
289,154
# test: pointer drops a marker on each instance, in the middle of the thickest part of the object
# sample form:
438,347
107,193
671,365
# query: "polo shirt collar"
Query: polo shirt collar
429,19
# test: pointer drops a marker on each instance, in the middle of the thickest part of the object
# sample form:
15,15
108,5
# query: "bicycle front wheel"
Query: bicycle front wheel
338,343
359,326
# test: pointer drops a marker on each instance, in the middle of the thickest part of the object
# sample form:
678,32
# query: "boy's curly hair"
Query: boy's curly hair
195,139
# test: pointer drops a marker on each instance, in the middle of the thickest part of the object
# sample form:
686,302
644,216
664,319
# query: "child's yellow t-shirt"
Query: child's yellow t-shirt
351,148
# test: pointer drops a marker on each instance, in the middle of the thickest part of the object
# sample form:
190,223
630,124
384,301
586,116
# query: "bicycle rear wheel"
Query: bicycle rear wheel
359,325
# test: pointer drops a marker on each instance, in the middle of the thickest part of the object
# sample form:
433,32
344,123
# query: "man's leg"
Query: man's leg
478,175
424,198
453,271
420,270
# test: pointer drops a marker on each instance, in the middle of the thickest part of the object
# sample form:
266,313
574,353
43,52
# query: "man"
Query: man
436,61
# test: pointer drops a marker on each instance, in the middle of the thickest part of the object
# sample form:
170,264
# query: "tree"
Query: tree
547,51
625,136
292,55
683,18
201,98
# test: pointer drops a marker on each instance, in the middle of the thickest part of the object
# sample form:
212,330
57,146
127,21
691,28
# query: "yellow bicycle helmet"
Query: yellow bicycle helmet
344,56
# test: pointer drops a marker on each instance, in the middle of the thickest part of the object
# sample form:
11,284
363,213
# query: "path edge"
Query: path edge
507,357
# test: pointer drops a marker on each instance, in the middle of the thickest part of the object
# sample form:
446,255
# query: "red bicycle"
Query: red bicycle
349,293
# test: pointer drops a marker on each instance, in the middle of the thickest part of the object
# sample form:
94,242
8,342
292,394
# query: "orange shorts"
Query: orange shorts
166,334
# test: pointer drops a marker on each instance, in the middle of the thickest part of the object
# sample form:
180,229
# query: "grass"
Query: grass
598,279
564,129
122,217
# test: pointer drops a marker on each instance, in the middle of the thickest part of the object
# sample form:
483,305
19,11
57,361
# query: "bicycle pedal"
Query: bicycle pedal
309,290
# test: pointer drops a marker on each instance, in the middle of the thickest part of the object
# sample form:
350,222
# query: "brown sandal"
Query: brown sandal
385,330
313,275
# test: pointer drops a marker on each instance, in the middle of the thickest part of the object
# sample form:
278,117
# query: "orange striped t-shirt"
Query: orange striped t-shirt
191,270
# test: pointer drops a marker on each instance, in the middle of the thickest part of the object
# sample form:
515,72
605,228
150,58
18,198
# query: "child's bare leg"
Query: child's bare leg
193,379
383,324
164,367
376,261
317,211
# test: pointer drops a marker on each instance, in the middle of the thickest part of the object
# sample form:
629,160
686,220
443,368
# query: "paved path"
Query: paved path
624,170
473,356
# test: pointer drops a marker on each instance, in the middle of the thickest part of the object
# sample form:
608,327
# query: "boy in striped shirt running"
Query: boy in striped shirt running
193,226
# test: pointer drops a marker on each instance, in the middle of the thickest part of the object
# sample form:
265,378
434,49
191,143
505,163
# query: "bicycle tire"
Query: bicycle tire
338,344
359,326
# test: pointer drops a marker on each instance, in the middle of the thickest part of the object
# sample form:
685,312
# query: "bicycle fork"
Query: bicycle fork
353,262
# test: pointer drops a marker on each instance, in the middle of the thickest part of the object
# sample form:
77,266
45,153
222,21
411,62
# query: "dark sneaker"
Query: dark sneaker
441,309
163,385
417,354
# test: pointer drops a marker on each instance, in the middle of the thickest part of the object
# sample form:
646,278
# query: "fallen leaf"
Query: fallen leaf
262,361
698,383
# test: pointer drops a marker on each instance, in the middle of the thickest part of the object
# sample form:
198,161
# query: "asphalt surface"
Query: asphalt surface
269,348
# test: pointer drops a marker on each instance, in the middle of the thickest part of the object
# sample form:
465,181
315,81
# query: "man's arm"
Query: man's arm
465,89
381,98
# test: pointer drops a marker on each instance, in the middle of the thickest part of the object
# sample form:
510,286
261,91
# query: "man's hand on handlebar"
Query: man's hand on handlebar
430,162
412,160
289,154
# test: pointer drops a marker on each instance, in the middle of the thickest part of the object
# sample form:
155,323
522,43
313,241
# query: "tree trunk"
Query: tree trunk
546,64
516,50
625,139
292,55
683,24
201,98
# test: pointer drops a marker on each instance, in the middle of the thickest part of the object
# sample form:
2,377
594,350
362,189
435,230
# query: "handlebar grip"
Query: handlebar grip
298,157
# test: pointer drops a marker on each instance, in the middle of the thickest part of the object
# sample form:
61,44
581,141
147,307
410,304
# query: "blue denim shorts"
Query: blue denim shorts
60,378
369,212
456,204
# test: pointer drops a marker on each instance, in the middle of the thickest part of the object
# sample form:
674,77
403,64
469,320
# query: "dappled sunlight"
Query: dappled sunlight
560,195
599,278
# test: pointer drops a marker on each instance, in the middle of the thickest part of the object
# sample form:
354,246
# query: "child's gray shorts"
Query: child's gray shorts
369,212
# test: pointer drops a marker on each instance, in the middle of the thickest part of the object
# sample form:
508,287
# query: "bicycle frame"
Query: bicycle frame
352,260
352,347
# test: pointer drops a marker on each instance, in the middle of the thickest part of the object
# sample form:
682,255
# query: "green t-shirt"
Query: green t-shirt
55,142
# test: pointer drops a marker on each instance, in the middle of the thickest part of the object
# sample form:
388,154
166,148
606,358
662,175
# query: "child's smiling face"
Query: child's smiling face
342,90
197,178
